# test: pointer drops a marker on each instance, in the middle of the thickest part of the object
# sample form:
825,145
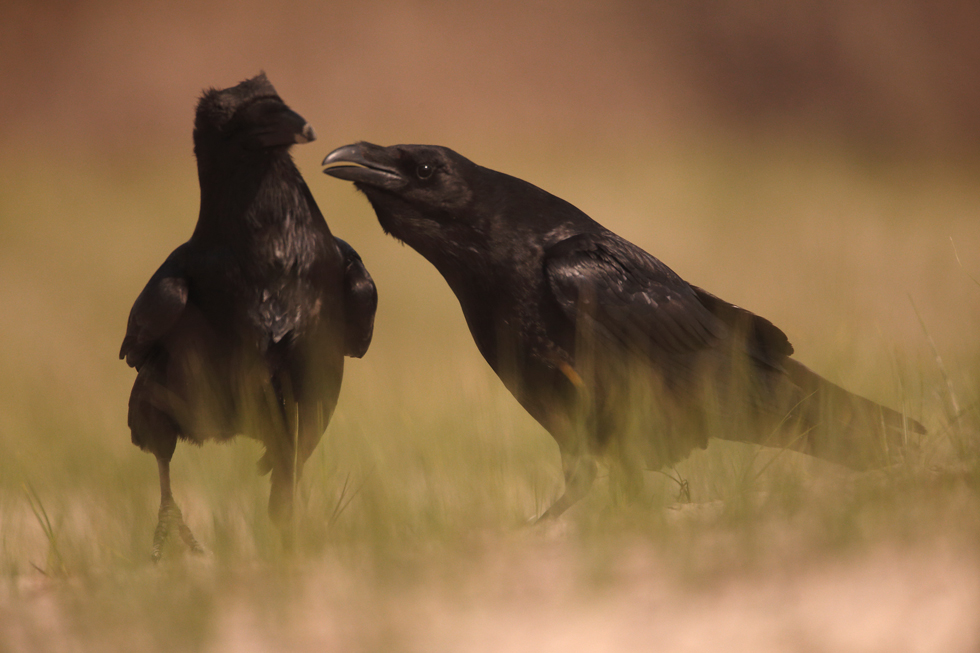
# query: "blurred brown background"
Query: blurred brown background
891,78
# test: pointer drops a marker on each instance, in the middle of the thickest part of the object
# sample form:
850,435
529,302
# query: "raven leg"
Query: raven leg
580,472
285,476
281,494
625,482
304,423
170,516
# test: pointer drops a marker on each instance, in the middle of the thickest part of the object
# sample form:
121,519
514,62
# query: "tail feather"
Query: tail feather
821,419
842,427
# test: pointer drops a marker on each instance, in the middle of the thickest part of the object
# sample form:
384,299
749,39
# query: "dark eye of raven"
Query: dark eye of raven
424,171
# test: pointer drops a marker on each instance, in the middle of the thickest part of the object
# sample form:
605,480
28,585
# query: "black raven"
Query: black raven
244,327
604,345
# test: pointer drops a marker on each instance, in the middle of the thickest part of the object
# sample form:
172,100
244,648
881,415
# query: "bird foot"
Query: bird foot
170,517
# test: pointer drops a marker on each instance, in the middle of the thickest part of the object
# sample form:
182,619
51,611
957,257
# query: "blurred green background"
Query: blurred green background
816,162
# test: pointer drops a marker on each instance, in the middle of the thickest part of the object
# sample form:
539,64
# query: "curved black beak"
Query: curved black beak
363,163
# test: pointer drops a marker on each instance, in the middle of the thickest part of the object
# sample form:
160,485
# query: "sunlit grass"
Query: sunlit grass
429,471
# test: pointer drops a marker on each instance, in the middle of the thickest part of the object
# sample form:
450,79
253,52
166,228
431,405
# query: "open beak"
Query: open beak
363,163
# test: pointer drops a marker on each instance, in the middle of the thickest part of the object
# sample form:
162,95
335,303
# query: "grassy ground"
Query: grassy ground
413,527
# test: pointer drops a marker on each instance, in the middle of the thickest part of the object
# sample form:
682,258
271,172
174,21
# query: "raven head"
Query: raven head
448,208
248,117
426,175
420,193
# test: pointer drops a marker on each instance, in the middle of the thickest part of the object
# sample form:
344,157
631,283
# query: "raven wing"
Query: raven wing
156,310
764,341
360,302
628,298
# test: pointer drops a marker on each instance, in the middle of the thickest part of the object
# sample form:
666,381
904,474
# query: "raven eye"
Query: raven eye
424,171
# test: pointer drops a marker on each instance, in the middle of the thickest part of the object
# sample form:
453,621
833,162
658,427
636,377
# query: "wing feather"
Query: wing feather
360,302
633,300
629,298
156,310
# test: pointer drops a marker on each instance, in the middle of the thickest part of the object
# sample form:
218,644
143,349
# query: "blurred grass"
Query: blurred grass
436,466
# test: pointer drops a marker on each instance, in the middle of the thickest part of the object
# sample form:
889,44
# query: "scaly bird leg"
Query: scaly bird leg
580,472
170,516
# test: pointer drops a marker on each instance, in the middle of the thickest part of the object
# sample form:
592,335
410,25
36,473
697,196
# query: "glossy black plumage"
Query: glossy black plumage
244,328
604,345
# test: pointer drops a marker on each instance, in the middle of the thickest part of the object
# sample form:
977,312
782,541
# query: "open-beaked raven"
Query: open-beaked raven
244,328
605,346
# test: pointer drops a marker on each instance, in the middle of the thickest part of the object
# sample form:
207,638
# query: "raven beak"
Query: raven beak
346,154
300,130
306,135
288,129
369,165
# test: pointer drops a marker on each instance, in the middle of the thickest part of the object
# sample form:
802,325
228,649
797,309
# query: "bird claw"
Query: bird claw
170,516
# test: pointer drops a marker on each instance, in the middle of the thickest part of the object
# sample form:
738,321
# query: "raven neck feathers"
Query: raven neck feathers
251,202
